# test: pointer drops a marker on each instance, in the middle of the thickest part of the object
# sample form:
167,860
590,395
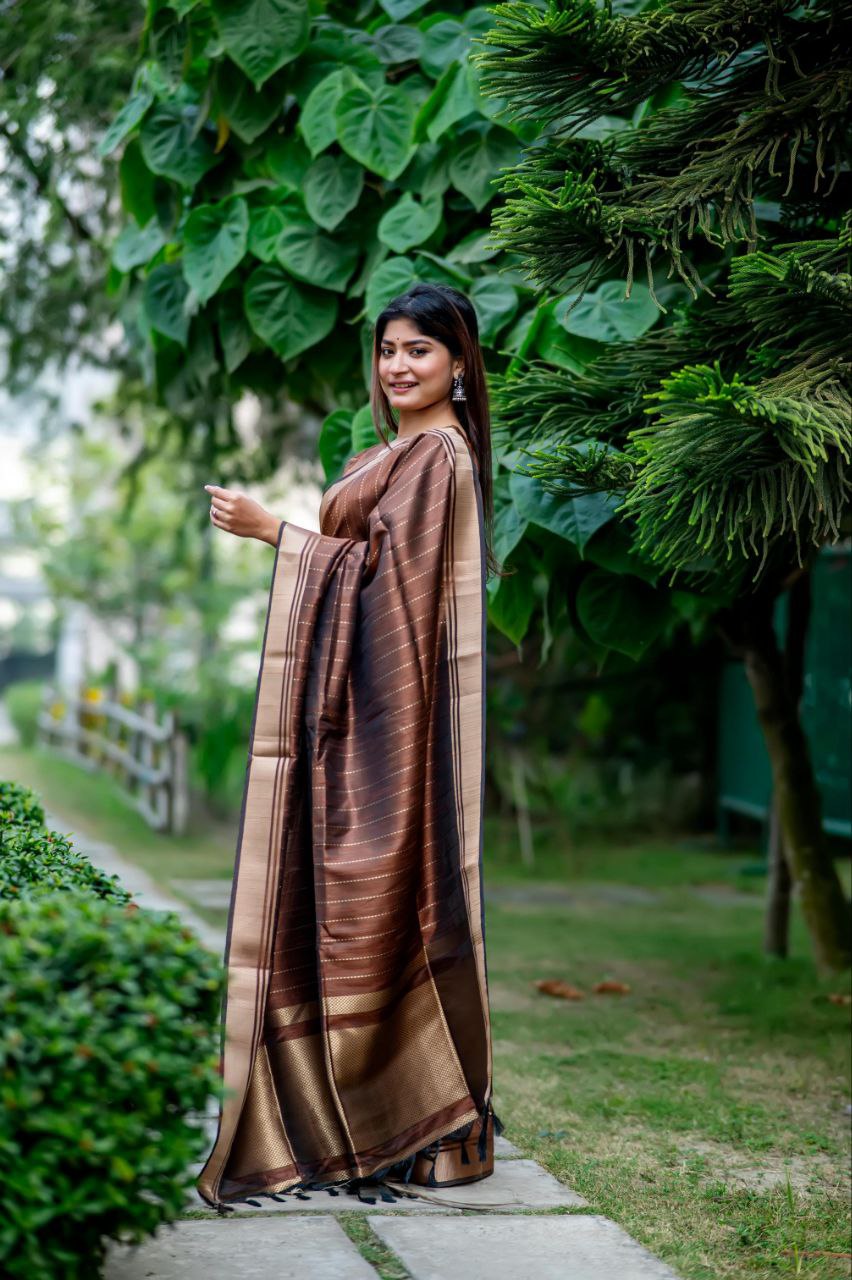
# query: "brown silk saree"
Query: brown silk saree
357,1029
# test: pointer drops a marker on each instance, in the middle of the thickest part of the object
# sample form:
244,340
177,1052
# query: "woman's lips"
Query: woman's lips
400,390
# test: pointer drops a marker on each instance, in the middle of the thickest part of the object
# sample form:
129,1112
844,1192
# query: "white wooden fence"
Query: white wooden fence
146,757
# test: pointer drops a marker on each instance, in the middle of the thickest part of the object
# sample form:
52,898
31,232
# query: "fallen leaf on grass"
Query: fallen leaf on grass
556,987
611,987
839,997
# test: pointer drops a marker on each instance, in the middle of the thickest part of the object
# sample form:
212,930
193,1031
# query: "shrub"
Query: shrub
19,804
34,860
24,700
107,1041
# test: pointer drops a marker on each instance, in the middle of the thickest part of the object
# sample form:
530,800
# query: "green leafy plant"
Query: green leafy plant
19,804
106,1045
108,1040
35,861
281,190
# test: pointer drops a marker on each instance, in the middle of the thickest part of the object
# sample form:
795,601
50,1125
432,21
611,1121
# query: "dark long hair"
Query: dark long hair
442,312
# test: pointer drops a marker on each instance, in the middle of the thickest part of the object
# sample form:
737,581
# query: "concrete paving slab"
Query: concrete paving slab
572,1247
251,1249
504,1149
514,1184
215,894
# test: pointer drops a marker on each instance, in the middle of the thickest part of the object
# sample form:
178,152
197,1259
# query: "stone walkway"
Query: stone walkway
552,1239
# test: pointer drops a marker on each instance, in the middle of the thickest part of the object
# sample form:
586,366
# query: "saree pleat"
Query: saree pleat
356,1026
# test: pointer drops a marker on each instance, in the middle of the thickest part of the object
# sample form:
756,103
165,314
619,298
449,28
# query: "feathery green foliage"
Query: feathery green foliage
741,113
726,433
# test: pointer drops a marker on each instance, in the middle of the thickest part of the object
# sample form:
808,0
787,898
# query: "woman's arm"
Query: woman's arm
242,516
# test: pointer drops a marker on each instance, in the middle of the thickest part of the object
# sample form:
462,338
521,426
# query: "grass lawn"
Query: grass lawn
705,1110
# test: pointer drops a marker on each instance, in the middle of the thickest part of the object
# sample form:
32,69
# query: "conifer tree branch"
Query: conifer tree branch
577,59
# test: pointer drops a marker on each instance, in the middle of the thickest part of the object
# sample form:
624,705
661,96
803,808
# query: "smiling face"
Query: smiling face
425,364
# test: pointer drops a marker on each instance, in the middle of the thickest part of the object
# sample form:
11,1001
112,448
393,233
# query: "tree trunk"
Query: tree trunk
776,933
776,937
821,895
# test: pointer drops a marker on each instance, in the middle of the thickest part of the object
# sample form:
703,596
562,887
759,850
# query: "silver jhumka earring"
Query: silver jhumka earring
458,387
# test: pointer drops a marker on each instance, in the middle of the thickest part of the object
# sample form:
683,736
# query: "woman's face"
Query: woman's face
408,357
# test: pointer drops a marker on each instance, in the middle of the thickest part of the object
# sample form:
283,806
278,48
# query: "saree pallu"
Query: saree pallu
356,1024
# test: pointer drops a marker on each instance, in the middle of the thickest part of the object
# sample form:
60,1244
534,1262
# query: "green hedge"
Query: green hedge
108,1051
19,804
34,860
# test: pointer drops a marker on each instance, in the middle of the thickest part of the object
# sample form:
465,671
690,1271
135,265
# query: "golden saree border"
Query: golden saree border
466,618
259,849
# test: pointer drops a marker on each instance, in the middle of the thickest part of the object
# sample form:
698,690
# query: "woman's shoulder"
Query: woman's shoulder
430,443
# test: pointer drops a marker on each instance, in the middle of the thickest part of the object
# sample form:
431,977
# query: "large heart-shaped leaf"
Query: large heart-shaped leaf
335,443
164,297
606,315
621,613
428,174
364,433
265,226
331,188
509,524
126,120
290,317
396,42
409,223
248,111
611,548
286,160
376,127
476,246
474,168
495,301
215,239
574,519
550,341
137,245
450,101
335,48
444,42
511,604
137,184
386,281
311,255
172,147
262,35
234,332
317,123
399,9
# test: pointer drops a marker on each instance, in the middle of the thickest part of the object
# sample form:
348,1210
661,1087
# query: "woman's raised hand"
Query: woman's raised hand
238,514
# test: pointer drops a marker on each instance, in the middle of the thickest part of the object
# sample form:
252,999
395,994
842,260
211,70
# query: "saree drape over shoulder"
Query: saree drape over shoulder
357,1025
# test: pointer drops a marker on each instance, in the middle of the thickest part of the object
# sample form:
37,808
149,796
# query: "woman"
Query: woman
357,1031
